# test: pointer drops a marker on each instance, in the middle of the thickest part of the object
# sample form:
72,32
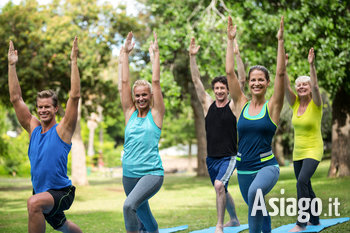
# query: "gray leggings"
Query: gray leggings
136,208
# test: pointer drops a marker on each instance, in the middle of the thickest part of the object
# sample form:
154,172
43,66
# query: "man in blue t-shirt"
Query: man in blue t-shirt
221,133
49,146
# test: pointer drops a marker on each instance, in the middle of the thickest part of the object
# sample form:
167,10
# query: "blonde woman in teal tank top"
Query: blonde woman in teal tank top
257,167
144,110
308,143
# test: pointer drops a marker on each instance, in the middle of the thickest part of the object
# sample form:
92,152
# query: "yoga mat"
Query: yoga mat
324,224
173,229
226,229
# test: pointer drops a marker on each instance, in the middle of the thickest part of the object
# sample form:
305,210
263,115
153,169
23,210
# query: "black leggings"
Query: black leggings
303,170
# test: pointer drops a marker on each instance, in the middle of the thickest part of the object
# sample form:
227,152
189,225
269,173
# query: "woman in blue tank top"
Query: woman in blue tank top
143,173
257,167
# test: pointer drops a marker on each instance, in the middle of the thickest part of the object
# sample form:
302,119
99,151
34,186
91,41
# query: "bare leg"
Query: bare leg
220,205
230,206
70,227
297,228
37,205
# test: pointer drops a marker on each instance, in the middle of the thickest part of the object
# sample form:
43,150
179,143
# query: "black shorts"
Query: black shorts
63,199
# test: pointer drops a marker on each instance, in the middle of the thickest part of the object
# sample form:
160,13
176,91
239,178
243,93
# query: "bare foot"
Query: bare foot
232,223
297,229
219,229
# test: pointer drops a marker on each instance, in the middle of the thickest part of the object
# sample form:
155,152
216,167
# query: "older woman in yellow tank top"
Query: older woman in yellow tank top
308,143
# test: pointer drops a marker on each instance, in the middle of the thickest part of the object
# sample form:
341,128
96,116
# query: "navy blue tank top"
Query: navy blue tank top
221,130
255,135
48,155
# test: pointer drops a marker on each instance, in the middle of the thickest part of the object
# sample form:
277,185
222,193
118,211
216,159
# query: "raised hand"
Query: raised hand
12,55
154,45
129,45
281,30
311,56
153,48
75,49
193,49
231,30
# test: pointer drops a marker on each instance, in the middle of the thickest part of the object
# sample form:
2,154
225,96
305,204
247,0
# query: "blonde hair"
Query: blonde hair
141,82
302,79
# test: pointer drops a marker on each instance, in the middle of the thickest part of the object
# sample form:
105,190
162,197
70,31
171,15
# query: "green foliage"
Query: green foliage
109,149
178,127
13,151
307,24
43,36
15,161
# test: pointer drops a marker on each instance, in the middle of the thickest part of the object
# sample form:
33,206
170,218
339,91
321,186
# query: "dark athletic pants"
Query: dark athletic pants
137,213
303,170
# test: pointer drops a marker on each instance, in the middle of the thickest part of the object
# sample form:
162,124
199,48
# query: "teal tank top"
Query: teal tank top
141,155
255,135
48,156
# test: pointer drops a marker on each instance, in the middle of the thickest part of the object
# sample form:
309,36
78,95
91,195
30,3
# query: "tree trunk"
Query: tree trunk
92,125
340,163
200,134
79,176
189,168
100,151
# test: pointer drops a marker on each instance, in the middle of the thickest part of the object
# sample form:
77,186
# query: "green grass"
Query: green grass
183,199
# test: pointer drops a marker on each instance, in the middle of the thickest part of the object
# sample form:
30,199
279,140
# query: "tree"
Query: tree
176,23
43,35
308,24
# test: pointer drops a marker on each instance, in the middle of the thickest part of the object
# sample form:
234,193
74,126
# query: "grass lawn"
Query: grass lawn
183,199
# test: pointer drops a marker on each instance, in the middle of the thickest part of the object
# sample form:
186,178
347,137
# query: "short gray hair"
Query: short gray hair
302,79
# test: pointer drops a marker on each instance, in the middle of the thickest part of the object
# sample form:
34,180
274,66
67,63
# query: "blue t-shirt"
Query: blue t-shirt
255,135
48,155
141,156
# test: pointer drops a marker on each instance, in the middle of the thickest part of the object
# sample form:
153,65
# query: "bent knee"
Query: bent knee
252,194
33,205
129,207
219,186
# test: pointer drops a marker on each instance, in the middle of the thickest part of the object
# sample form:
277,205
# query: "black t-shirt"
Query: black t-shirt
221,129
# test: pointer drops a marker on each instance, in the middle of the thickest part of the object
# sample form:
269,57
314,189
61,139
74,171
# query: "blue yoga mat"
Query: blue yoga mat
226,229
173,229
324,224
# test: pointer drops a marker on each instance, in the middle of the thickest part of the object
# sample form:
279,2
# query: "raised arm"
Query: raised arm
204,98
288,91
66,127
316,96
158,109
276,101
240,66
25,118
127,102
235,91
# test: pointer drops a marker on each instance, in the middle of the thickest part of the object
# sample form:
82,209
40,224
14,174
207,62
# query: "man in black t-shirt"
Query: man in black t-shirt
220,125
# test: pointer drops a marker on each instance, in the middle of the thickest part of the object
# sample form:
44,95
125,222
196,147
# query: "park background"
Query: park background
43,35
